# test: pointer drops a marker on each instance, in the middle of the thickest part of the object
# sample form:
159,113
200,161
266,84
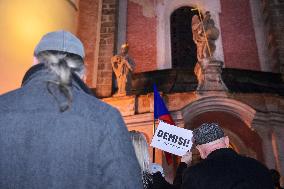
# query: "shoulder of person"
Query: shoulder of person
198,168
96,108
253,162
9,96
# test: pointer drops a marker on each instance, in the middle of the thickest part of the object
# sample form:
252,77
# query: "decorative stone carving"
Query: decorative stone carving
208,73
208,70
123,67
204,35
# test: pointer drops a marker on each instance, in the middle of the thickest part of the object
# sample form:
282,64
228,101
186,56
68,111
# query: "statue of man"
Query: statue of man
123,66
204,35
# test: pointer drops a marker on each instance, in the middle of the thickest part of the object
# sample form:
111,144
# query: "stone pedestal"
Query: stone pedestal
125,104
208,73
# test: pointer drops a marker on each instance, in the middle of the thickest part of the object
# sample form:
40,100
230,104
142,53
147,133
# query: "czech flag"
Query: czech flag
161,112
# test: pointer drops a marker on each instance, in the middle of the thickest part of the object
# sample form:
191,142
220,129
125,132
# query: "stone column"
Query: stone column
122,24
278,140
265,133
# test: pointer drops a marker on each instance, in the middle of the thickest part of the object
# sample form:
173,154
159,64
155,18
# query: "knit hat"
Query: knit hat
60,41
206,133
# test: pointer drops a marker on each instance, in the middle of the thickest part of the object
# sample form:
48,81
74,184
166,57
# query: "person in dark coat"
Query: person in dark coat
222,167
54,134
275,175
152,173
184,163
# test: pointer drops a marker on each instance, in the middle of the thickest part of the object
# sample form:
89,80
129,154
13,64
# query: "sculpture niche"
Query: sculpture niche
123,67
208,70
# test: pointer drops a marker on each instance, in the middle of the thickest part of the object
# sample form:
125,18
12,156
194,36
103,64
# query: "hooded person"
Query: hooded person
55,134
222,167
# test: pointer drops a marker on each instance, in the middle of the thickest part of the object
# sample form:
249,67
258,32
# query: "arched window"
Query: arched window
182,45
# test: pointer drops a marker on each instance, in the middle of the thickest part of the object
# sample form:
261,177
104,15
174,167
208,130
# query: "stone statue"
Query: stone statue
204,35
123,67
207,70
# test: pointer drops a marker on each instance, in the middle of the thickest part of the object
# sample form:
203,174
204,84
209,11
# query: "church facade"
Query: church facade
249,51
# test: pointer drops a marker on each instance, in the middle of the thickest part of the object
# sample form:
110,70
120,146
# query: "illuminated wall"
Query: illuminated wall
22,23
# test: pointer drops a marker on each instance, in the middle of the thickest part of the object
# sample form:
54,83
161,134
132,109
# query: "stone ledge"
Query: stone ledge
125,104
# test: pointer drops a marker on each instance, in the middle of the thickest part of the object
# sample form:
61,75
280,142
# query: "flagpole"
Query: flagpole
161,113
154,129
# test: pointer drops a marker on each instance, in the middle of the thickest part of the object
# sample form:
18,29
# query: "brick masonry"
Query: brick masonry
273,11
141,36
99,70
240,50
87,32
106,47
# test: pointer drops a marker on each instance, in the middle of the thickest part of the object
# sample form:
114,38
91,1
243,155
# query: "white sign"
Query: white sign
172,139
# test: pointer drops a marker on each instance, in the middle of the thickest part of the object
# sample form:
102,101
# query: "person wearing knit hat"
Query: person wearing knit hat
209,137
222,167
56,134
207,132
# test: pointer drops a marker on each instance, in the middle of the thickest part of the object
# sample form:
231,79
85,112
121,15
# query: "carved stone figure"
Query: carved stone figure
204,35
123,67
207,70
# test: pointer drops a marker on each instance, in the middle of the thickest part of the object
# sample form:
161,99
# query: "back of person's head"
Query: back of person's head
63,54
275,175
141,150
209,137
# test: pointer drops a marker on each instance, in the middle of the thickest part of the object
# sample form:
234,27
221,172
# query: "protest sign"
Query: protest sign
172,139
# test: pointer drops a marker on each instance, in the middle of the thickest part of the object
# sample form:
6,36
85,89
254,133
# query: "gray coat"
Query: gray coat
84,147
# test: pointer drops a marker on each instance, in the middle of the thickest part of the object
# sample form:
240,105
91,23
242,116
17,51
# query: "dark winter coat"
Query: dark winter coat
84,147
157,181
225,169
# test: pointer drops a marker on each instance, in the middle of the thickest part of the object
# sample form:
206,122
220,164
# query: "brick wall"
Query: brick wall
87,32
273,11
141,36
106,48
239,44
99,70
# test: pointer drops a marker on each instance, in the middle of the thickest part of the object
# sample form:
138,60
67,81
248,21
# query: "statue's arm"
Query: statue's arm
128,65
115,68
